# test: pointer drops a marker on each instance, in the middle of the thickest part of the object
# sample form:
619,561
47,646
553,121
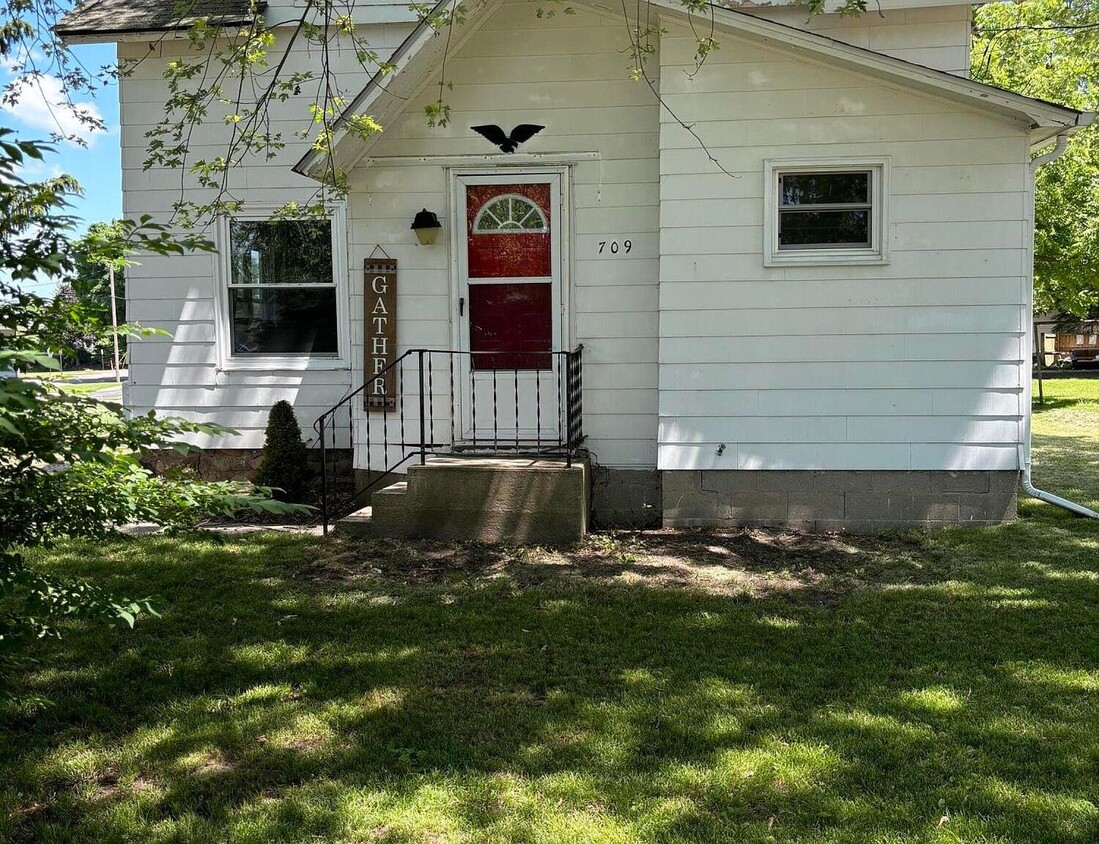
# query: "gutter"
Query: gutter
1029,488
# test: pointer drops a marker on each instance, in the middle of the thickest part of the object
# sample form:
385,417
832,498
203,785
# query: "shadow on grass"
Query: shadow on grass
825,690
1052,403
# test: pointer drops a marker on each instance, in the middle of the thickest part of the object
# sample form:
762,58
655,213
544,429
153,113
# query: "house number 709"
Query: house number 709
614,247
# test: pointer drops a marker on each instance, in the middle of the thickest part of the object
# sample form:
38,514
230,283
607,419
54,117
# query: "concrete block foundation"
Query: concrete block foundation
857,501
230,464
501,505
626,498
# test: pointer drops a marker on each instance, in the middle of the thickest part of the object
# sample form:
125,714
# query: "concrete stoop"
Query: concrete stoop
521,500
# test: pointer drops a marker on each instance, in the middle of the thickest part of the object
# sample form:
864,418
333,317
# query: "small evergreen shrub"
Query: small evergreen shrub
285,463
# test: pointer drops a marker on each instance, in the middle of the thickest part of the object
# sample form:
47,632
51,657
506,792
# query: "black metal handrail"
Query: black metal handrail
420,436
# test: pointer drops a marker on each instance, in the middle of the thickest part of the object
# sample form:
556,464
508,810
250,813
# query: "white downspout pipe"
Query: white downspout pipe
1055,153
1033,491
1024,448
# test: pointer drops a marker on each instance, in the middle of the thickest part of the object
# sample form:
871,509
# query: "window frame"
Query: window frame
227,361
510,231
878,250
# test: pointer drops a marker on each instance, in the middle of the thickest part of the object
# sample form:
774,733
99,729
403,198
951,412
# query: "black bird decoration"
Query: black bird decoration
508,143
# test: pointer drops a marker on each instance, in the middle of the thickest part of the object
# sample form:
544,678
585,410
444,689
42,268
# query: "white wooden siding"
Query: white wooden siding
937,37
180,376
570,73
915,364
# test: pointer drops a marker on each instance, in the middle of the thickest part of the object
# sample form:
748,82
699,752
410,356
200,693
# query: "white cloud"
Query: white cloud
38,171
39,103
13,63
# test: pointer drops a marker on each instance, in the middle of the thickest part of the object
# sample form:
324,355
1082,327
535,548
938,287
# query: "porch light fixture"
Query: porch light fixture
426,225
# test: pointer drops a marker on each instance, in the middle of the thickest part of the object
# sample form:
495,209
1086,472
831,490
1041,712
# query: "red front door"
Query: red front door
510,281
509,253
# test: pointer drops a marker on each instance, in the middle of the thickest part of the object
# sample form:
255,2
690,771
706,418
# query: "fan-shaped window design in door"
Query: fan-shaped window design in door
510,214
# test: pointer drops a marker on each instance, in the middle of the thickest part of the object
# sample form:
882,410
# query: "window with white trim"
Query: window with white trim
282,297
825,213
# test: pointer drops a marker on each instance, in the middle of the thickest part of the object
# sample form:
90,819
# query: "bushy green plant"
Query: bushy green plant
285,463
68,464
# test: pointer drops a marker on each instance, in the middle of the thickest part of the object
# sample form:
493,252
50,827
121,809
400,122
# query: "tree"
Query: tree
69,465
285,464
100,262
76,338
93,252
1050,49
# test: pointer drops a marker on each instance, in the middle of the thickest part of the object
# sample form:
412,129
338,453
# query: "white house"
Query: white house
800,277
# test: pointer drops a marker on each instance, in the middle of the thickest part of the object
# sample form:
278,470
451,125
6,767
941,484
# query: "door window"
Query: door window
510,213
510,266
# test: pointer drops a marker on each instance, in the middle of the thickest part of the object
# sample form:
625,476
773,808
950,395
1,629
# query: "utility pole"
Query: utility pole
114,325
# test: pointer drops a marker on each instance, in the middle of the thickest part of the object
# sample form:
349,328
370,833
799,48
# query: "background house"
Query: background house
1075,344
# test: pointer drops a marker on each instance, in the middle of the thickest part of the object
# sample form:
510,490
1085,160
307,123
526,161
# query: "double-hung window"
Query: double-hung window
282,297
825,212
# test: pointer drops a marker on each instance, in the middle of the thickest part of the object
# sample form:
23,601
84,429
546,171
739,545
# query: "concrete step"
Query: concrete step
362,522
392,492
499,483
523,500
358,524
389,506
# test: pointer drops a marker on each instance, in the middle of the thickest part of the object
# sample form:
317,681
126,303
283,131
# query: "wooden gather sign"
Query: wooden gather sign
380,316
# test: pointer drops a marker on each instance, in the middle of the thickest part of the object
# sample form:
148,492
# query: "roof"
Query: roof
119,17
416,57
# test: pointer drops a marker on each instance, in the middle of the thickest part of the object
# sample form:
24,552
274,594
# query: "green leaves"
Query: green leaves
438,113
70,465
1050,49
34,223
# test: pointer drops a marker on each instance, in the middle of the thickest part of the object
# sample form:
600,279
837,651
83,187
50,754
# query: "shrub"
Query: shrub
285,463
68,463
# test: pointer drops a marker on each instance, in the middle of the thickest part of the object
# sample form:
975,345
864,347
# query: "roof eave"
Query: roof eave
1040,136
314,162
112,36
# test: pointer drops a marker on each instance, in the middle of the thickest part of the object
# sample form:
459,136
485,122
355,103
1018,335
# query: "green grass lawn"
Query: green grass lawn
70,374
58,375
84,389
750,687
1066,439
67,382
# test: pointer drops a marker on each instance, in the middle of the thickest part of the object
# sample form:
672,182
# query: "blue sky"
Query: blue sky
98,166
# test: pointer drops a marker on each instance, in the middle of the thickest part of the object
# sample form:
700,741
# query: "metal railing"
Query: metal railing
441,400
